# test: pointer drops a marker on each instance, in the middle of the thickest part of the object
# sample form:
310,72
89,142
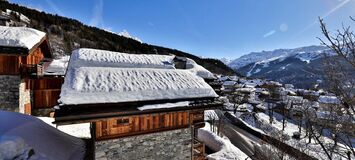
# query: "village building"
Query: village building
21,52
139,106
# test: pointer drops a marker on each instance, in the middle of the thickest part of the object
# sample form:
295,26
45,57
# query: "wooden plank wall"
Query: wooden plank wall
141,124
46,91
9,65
34,58
45,98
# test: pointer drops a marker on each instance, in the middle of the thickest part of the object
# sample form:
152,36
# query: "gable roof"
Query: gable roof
97,76
22,39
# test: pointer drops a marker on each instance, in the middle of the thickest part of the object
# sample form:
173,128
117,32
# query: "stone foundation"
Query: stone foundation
24,98
9,92
168,145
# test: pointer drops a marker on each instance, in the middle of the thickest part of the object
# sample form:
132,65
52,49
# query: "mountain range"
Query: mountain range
302,67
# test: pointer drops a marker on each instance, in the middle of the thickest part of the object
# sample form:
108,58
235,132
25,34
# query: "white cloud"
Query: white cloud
97,19
270,33
125,33
54,7
283,27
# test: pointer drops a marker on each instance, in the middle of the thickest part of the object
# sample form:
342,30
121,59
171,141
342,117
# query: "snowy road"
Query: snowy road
239,138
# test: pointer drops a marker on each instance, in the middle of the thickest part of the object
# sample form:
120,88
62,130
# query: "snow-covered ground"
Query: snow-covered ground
81,130
261,124
27,137
224,149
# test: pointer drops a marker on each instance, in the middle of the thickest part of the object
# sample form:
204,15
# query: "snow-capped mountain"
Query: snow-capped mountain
126,34
226,60
301,67
266,56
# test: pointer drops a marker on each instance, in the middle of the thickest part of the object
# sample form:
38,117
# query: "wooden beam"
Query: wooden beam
83,116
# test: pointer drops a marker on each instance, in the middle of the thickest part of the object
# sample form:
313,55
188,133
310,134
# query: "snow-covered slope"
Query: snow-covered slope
126,34
22,17
302,67
306,53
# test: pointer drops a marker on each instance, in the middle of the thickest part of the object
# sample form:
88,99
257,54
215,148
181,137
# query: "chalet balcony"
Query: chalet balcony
198,150
29,70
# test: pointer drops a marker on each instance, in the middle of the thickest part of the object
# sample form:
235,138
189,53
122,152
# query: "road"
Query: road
239,138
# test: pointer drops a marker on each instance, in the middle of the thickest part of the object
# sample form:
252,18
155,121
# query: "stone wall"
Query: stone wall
9,92
25,97
168,145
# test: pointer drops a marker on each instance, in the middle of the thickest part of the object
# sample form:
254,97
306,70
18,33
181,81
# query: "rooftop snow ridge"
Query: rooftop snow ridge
20,37
103,58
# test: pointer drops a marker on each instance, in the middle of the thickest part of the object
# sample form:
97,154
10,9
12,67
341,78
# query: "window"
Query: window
122,121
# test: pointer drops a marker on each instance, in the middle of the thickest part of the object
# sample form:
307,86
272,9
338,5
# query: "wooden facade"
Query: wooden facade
45,91
9,64
16,61
141,124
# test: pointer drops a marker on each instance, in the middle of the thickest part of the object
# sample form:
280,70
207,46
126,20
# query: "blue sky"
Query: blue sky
209,28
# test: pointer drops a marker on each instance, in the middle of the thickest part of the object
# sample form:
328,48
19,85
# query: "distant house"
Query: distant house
139,106
24,86
4,20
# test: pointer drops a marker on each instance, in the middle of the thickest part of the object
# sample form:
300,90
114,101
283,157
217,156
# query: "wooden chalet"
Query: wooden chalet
23,53
127,112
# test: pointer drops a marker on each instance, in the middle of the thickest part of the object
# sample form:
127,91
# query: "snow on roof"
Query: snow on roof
198,70
20,37
229,83
46,141
57,66
112,85
102,58
164,105
97,76
210,115
328,99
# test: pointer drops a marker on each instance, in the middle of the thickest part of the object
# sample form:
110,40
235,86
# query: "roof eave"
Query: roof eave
63,118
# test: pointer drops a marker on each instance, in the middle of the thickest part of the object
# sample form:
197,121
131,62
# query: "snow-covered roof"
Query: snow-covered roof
57,66
102,58
20,37
96,76
112,85
328,99
198,70
229,83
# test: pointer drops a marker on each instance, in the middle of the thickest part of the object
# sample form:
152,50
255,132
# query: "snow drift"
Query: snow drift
20,134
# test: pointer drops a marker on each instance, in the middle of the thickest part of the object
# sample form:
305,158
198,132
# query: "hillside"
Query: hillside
302,67
67,34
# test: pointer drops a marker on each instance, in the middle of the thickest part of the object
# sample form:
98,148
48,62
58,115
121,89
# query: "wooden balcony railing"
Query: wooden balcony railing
31,70
198,150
